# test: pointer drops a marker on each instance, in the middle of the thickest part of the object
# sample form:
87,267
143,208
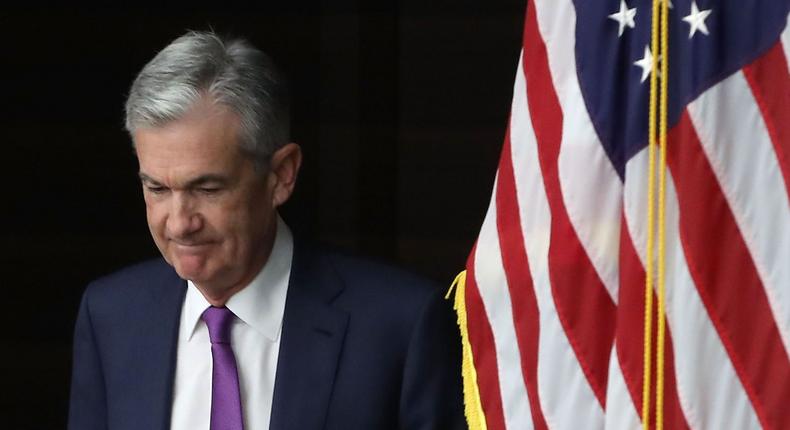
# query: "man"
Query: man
240,326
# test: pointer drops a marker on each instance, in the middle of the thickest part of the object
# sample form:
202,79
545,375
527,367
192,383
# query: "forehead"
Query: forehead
204,141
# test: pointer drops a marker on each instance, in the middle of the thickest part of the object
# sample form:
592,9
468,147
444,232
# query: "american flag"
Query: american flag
555,284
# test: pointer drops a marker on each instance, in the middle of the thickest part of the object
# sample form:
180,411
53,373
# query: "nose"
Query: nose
184,218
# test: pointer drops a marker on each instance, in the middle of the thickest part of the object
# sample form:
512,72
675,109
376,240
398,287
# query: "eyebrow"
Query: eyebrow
146,178
195,182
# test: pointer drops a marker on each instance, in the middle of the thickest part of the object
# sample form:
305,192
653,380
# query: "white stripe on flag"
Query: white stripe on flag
590,186
620,410
711,395
565,396
735,139
492,284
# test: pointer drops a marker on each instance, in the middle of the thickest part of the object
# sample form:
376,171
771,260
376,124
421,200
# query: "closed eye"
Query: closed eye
209,190
152,186
155,189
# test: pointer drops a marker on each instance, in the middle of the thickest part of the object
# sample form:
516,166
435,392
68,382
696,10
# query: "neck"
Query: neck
219,298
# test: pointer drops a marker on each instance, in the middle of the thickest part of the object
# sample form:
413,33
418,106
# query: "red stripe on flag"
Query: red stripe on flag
630,337
727,280
526,317
481,338
769,80
584,308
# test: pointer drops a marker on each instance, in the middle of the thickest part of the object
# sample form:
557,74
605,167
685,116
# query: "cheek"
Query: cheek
242,227
235,226
221,223
156,218
259,225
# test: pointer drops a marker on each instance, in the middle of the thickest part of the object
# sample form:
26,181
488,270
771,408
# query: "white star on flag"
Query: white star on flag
646,63
624,17
696,19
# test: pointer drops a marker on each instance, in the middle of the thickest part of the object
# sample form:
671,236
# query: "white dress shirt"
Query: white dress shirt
255,339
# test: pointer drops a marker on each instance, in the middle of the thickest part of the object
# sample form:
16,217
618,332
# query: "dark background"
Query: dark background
401,109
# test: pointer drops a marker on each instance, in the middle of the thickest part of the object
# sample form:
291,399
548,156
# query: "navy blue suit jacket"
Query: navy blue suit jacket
364,346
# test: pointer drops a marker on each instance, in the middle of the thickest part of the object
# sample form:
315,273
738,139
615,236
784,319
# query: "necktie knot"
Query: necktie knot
218,321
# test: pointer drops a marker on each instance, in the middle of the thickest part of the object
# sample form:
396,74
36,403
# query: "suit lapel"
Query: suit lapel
312,339
154,352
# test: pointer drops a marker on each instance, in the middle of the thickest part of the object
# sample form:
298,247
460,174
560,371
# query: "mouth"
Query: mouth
190,247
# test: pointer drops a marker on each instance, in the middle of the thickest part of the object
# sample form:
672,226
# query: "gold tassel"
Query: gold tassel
473,409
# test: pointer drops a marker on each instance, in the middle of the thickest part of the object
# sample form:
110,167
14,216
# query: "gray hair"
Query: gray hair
230,72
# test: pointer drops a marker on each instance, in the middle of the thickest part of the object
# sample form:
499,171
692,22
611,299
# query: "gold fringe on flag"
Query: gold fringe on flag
473,408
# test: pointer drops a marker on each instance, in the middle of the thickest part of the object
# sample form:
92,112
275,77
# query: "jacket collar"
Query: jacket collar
313,334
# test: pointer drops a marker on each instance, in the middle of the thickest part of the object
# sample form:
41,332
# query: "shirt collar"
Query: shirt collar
261,304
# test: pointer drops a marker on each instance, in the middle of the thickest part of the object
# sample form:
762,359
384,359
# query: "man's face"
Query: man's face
211,214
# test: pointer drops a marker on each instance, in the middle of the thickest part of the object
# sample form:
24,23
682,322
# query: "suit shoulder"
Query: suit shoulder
128,283
389,299
390,308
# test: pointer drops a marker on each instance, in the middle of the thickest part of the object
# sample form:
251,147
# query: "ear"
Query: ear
283,170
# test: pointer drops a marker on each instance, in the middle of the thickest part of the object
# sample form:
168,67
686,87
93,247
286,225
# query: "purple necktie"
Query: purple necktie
225,398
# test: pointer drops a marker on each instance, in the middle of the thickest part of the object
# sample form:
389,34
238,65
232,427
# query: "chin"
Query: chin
194,276
193,268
